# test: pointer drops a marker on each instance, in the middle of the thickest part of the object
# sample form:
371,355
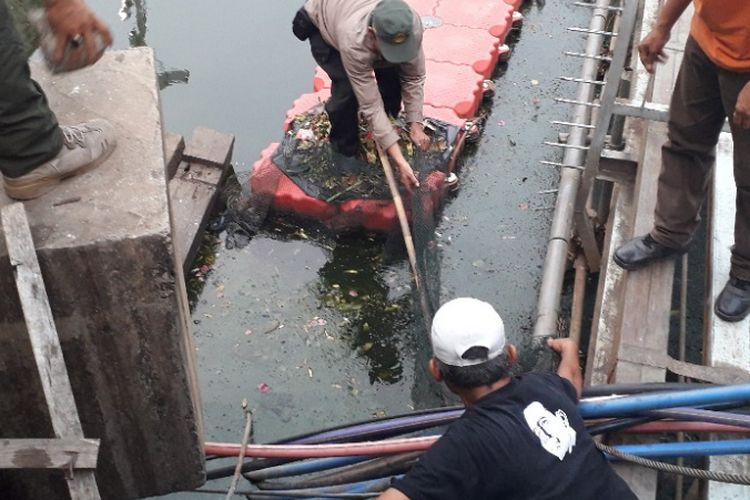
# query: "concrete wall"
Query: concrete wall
105,248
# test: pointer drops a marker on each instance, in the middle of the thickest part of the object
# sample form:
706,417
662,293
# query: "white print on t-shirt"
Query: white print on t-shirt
553,431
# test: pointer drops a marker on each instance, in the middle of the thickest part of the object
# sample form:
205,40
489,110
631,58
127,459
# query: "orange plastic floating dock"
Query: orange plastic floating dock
463,42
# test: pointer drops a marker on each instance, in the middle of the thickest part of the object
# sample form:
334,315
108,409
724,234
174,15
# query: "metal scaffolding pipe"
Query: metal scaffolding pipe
548,306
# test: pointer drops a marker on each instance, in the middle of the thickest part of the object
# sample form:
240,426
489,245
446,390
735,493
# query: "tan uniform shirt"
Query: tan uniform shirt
343,25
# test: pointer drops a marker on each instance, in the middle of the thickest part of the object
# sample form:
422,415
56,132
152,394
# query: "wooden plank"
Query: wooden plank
648,292
44,340
174,145
727,344
601,360
66,453
209,147
646,302
192,195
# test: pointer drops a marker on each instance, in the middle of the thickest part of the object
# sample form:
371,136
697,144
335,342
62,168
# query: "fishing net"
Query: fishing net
299,182
301,178
306,157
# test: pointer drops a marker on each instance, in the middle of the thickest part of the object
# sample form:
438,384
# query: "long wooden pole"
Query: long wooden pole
401,212
408,241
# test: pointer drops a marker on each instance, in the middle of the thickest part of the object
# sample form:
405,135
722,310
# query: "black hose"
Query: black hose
594,391
706,413
372,469
618,424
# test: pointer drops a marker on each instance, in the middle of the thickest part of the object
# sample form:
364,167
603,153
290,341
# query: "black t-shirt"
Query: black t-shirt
524,441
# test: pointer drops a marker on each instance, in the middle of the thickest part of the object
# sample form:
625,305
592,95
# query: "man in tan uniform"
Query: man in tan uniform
372,51
713,84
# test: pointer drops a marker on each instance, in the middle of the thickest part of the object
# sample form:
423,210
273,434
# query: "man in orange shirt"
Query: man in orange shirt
713,84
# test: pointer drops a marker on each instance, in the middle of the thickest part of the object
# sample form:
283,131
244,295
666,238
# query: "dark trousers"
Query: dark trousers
342,107
29,133
704,95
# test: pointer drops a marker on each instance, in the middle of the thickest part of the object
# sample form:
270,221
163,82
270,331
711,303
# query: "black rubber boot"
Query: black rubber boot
733,303
642,251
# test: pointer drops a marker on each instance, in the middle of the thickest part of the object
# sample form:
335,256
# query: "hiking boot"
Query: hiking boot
85,147
346,165
642,251
733,303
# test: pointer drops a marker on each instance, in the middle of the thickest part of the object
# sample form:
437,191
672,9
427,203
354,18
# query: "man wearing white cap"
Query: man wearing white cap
520,437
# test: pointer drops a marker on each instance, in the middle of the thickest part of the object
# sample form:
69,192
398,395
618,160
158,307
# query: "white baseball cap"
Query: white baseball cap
463,323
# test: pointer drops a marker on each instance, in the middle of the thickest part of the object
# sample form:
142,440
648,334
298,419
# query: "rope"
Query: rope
723,477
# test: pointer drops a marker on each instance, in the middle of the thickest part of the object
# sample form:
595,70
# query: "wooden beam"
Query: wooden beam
726,344
69,453
45,343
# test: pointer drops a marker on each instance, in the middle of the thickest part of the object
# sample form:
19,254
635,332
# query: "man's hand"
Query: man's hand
569,367
405,172
741,116
406,175
651,48
564,347
72,20
418,137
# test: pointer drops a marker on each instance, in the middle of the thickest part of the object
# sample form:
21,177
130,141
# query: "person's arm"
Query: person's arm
651,48
371,106
70,19
392,494
412,76
741,115
569,367
405,172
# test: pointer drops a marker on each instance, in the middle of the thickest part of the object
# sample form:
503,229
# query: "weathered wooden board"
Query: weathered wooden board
727,344
209,147
192,194
602,354
64,453
646,299
45,343
174,146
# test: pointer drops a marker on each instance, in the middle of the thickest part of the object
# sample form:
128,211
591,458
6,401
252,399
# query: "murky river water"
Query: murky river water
317,334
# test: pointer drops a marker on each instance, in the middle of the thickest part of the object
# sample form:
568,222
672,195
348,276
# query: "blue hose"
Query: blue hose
635,404
687,449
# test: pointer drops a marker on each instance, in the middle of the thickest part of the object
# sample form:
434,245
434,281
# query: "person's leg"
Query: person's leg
29,133
731,84
389,85
342,107
733,303
696,116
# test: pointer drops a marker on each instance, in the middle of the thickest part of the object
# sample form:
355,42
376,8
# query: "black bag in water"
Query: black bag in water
302,25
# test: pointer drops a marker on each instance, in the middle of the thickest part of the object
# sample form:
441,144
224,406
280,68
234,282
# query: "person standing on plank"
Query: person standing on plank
372,51
713,84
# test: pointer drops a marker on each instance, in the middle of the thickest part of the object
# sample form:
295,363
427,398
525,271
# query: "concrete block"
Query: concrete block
117,293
